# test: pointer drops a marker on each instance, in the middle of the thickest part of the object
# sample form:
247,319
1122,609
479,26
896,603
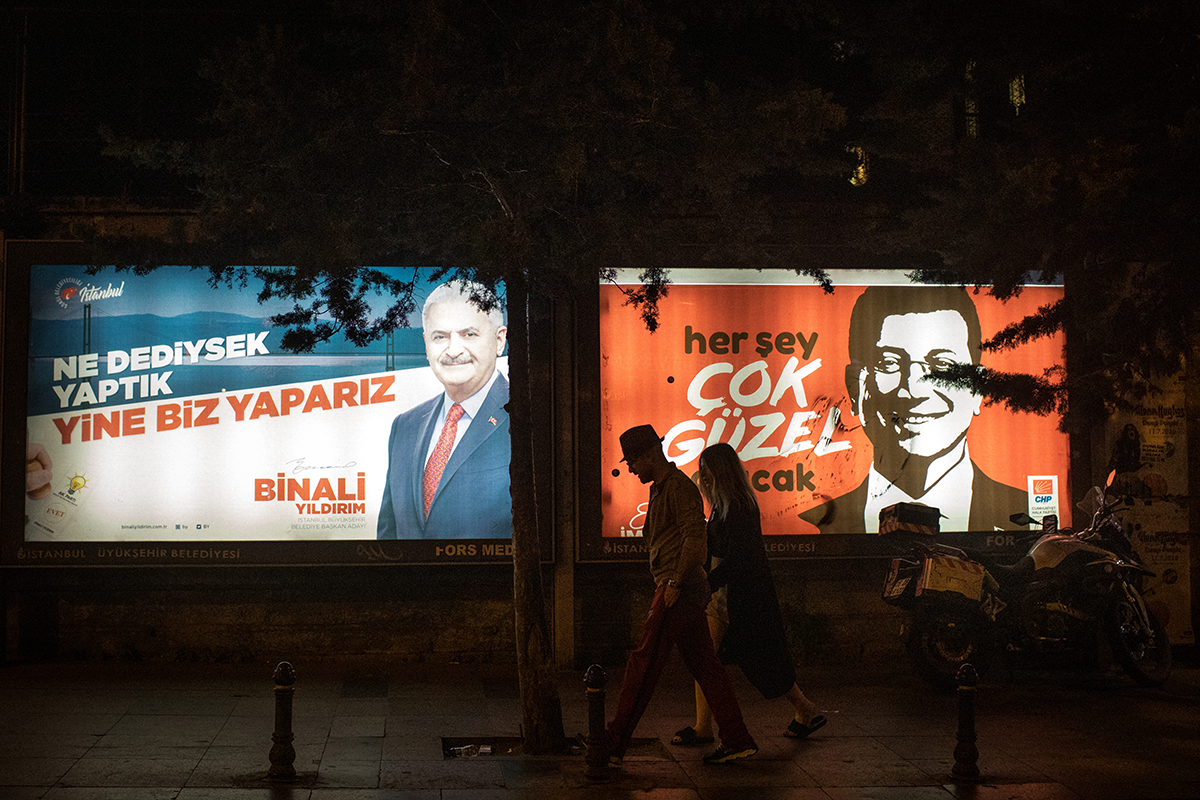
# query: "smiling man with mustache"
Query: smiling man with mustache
448,457
918,429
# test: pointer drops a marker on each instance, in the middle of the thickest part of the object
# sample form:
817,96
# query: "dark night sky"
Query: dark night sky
131,66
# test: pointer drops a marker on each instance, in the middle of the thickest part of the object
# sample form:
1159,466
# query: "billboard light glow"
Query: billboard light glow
164,422
828,401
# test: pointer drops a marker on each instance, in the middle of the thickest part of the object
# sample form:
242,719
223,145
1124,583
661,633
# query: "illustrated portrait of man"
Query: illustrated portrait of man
448,457
917,428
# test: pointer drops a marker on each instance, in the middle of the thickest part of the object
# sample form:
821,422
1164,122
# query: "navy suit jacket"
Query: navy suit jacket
991,503
472,500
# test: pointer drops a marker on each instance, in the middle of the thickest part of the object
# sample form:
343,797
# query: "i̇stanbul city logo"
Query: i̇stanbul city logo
66,290
70,288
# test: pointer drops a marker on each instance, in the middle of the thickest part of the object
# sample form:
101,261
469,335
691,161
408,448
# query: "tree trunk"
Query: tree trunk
541,709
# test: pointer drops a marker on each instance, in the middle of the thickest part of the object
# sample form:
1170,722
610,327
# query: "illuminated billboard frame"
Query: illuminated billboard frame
761,360
178,432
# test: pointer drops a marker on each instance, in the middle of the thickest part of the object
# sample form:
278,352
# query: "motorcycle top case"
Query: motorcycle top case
909,518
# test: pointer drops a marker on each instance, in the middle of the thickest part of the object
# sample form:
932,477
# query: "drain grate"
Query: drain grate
492,746
481,746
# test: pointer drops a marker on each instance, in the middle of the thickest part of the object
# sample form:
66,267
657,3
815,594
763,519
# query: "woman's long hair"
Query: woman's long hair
730,488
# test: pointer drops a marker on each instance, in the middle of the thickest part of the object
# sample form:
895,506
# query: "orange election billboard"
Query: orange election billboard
827,399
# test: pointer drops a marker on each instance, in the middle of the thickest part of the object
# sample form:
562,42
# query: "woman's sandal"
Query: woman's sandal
798,730
688,738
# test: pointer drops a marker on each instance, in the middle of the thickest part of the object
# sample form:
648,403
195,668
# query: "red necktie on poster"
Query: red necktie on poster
441,454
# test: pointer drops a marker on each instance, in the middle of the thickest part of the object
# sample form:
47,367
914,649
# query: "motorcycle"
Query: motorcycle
1068,589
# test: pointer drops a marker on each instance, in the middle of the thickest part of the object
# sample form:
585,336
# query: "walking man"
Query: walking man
675,533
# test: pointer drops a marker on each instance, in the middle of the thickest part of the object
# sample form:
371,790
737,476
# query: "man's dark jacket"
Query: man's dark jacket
991,504
473,499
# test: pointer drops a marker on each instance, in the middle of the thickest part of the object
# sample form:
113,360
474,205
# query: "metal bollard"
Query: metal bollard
966,754
597,750
283,754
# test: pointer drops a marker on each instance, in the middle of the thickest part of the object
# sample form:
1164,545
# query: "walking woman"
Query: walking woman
743,615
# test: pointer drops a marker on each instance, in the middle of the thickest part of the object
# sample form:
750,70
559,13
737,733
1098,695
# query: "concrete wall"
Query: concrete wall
305,615
248,615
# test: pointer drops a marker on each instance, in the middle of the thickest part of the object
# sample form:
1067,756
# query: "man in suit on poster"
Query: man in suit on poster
448,457
918,429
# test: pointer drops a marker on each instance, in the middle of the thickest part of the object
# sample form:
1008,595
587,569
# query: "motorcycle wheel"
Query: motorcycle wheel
939,644
1143,652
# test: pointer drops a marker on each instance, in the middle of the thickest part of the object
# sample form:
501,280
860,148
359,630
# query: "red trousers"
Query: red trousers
683,625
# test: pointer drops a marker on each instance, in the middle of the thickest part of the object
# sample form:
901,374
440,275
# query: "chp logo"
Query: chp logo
1042,489
1043,496
67,290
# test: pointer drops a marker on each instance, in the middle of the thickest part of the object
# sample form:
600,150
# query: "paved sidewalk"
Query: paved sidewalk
118,731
